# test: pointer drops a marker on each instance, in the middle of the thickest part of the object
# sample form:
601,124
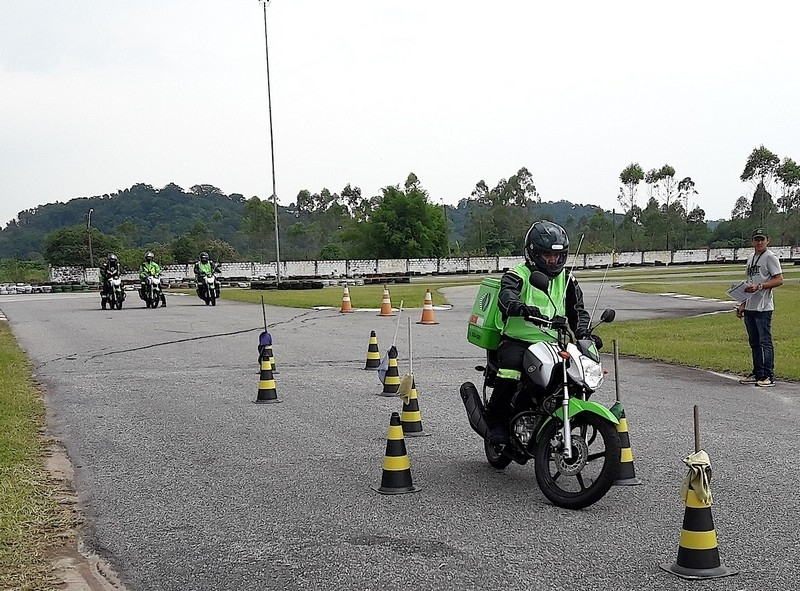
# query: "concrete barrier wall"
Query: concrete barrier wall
390,266
652,257
362,268
423,266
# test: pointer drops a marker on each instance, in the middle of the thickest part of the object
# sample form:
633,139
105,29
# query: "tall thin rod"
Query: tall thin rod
272,151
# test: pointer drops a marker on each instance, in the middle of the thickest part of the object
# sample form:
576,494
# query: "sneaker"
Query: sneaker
751,379
765,383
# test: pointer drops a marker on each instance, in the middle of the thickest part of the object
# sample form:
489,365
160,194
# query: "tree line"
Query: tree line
402,222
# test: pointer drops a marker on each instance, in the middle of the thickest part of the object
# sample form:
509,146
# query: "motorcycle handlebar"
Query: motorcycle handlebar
556,322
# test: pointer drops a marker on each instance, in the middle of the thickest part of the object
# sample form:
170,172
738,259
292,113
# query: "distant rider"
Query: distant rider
203,268
146,269
108,270
546,248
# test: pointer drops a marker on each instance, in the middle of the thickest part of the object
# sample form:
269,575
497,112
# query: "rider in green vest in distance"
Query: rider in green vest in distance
546,249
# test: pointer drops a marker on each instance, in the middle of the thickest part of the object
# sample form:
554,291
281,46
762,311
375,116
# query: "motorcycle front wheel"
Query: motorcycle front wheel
583,479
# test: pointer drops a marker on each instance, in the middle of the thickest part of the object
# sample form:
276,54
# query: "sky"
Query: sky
96,96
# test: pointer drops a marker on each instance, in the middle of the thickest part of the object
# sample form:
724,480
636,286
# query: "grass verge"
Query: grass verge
717,342
32,522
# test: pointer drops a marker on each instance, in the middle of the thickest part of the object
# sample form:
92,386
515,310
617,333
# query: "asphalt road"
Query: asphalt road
186,484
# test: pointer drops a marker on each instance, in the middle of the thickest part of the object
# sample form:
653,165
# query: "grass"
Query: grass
361,296
31,520
717,342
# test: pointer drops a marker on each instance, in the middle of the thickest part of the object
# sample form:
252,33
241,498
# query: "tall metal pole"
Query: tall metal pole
272,151
89,230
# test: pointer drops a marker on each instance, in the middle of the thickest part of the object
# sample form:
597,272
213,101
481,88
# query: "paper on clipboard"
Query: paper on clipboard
737,291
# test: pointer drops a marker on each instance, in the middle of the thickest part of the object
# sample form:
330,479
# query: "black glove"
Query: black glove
530,311
559,322
598,342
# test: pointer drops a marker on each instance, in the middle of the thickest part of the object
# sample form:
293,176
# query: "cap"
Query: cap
759,233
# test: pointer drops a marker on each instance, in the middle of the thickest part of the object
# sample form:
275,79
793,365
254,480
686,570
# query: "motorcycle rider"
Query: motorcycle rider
205,266
147,268
108,270
546,249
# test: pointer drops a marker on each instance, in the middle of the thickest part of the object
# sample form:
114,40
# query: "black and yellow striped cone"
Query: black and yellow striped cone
271,355
698,555
396,477
391,381
411,417
266,382
627,473
373,353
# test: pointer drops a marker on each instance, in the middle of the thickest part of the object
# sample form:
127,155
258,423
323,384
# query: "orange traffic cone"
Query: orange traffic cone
386,304
396,477
427,310
266,383
373,353
346,307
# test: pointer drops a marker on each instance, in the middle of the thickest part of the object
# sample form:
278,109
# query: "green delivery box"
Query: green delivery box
485,320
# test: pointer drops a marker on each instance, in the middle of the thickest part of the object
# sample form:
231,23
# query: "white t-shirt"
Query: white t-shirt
760,268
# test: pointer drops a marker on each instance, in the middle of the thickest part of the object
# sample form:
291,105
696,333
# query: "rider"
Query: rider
205,266
108,270
147,268
546,248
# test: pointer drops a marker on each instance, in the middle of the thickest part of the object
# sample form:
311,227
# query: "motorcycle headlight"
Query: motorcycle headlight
592,373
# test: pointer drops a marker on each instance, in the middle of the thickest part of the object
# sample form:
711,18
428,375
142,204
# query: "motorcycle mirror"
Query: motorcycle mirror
540,281
608,315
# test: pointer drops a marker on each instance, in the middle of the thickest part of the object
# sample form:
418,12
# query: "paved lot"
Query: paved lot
189,485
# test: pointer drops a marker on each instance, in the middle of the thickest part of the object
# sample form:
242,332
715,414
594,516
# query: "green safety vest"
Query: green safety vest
515,327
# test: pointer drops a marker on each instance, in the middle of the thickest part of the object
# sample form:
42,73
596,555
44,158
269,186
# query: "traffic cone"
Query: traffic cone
427,310
391,381
698,554
386,304
411,417
396,476
266,383
346,307
373,353
627,473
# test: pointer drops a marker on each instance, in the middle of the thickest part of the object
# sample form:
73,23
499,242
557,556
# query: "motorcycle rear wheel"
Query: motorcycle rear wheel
586,477
494,455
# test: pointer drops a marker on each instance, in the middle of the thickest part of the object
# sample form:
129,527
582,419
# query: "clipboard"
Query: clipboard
738,293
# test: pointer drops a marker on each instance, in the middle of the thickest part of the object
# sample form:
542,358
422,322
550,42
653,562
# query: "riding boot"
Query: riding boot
163,301
498,410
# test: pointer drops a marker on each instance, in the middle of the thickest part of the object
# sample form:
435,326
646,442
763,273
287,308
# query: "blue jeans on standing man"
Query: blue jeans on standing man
759,333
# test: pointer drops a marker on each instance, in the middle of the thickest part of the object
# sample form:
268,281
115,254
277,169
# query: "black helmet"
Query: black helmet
543,238
203,257
149,256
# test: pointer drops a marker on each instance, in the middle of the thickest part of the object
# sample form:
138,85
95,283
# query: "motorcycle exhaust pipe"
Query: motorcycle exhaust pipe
474,405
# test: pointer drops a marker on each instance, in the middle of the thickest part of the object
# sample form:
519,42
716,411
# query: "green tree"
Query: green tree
761,167
788,174
403,225
69,246
630,178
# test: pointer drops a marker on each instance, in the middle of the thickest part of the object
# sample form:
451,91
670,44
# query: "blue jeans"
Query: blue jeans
759,333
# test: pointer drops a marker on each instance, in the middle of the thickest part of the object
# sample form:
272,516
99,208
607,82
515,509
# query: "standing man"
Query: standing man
764,274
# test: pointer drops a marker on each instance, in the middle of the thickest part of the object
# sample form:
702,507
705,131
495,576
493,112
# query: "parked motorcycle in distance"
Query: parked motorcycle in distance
208,288
113,294
572,440
152,293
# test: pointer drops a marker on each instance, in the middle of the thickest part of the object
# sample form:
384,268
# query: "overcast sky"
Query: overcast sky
96,96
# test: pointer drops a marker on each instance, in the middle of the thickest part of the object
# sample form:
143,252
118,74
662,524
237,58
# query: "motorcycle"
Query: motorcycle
573,441
152,293
208,289
113,294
